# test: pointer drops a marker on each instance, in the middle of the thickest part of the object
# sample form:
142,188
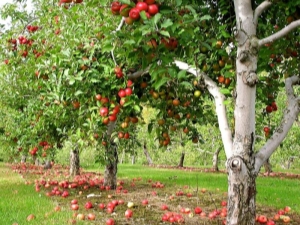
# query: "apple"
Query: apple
98,97
269,109
110,221
91,216
153,9
129,20
112,117
128,91
134,13
74,206
30,217
197,210
130,204
197,93
142,6
104,111
164,207
145,202
101,206
128,213
270,222
266,129
121,93
262,219
286,219
88,205
124,10
287,209
115,7
80,216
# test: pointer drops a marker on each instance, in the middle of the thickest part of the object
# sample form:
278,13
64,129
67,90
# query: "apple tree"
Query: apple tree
97,63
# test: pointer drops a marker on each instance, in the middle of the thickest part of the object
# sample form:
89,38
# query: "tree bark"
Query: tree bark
148,157
241,192
111,168
74,162
268,166
23,158
181,159
215,160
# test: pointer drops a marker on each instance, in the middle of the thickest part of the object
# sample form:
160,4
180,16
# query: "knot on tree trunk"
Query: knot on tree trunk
250,78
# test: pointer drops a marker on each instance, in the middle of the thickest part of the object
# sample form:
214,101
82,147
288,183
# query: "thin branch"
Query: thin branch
284,31
118,28
139,73
214,90
291,113
260,9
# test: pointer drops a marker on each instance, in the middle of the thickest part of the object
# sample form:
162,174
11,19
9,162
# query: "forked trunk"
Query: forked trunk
111,168
74,162
241,192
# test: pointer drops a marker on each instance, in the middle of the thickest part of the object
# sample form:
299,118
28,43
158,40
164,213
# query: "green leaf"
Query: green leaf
206,17
178,2
181,74
166,23
137,108
164,33
160,82
157,18
225,91
143,15
79,92
187,85
128,2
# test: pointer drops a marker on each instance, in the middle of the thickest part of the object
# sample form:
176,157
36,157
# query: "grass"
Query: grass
19,200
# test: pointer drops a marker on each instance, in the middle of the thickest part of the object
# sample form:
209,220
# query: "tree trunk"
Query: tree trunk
133,159
290,161
74,162
215,160
268,166
47,165
111,168
241,192
181,160
23,158
148,157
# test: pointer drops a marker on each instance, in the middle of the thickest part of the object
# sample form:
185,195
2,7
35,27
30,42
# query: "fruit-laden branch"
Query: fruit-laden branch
283,32
214,90
289,117
260,9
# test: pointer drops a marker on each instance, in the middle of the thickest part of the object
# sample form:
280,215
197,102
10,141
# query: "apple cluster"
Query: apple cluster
132,14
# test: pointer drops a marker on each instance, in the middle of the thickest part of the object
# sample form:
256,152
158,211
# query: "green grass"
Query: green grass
19,200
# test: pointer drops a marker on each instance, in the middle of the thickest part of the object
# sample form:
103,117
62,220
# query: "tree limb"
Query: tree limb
138,74
214,90
118,28
291,113
284,31
260,9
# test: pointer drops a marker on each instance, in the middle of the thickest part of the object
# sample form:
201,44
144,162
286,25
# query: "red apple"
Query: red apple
198,210
91,216
74,206
88,205
142,6
153,9
145,202
128,213
104,111
149,2
134,13
110,221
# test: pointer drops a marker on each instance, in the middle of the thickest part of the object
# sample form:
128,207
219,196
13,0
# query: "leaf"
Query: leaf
225,91
164,33
128,2
181,74
206,17
157,18
167,23
187,85
79,92
160,83
143,15
178,2
137,108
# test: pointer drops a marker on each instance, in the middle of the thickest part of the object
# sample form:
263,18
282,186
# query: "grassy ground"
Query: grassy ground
19,200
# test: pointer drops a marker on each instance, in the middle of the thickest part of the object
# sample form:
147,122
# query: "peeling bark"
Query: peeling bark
241,192
111,168
74,162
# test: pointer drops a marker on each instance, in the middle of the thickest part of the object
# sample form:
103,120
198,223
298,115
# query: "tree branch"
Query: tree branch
291,113
284,31
138,74
214,90
260,9
118,28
